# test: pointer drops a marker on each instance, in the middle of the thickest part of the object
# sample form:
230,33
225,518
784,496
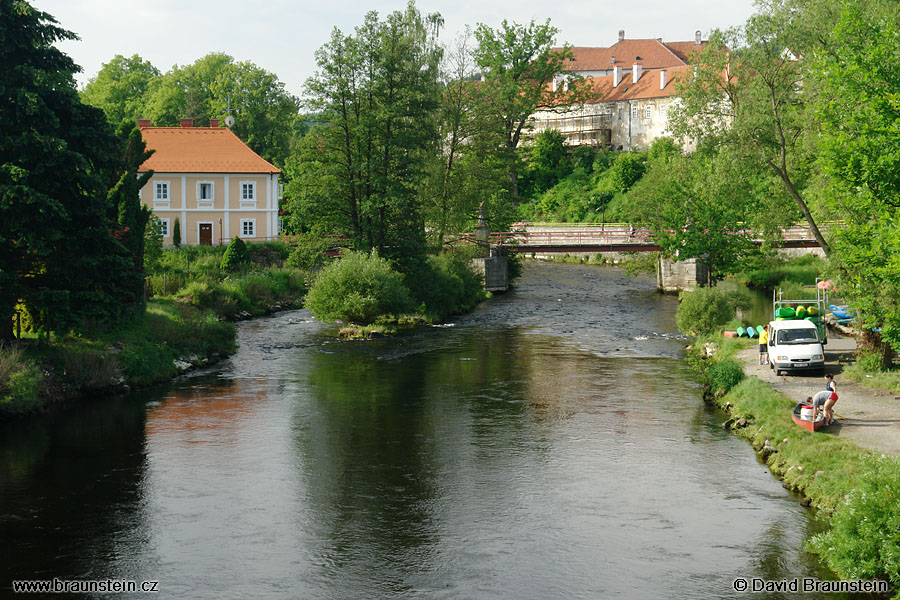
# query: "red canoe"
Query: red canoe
808,425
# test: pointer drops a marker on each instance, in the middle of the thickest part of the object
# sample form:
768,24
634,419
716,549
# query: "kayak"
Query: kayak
807,423
740,332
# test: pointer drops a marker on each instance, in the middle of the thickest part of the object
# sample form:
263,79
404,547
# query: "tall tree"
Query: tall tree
362,170
860,146
519,64
120,88
56,251
214,86
749,97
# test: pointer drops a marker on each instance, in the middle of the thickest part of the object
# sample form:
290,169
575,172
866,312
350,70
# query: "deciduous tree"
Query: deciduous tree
120,88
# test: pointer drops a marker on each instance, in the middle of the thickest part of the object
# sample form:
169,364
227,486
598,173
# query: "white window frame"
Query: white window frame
607,114
164,228
245,202
648,112
662,110
244,233
206,202
634,112
162,201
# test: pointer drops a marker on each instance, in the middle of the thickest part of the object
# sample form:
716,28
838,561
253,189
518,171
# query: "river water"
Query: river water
551,444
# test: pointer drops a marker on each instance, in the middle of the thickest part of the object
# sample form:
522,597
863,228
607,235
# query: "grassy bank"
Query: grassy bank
858,488
186,324
35,374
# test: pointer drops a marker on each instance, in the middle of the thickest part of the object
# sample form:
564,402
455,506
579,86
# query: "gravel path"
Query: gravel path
872,415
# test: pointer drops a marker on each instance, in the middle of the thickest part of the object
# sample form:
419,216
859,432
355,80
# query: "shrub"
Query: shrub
358,288
705,309
176,233
236,255
224,300
725,374
449,286
20,381
267,254
309,254
864,541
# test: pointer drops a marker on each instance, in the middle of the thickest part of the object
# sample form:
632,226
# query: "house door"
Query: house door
206,234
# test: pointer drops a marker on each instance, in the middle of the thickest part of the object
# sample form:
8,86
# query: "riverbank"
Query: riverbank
850,470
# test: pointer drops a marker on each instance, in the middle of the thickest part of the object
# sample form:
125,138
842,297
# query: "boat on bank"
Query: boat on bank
802,416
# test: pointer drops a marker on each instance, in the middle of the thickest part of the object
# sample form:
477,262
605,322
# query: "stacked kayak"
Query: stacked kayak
749,331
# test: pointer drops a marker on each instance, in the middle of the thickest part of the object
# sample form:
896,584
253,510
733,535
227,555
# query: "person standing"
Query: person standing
829,382
764,345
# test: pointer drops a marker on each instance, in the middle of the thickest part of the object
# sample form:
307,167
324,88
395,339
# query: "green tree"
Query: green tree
519,64
860,145
57,160
120,88
749,97
548,161
125,203
176,233
265,113
361,172
236,255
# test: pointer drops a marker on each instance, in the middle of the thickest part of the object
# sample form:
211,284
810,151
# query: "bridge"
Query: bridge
603,238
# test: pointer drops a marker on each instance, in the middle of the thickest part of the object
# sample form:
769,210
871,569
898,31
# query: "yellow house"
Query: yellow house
213,183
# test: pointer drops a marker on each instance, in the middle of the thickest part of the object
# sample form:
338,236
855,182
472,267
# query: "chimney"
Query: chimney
698,38
617,76
141,123
186,122
213,123
636,70
621,34
662,79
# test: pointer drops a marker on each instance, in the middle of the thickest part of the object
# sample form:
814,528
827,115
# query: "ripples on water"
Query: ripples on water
550,444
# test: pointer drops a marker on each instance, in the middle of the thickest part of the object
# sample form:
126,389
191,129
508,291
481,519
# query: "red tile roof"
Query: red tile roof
684,49
201,150
646,87
651,54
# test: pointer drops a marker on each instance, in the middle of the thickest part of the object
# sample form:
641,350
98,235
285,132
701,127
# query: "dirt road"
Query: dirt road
872,416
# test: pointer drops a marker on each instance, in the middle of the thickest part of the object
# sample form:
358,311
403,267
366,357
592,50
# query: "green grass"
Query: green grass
774,273
859,488
889,380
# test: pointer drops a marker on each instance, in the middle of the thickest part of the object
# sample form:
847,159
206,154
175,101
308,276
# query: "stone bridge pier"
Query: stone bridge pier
673,277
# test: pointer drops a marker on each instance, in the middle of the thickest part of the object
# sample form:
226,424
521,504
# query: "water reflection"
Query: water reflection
552,444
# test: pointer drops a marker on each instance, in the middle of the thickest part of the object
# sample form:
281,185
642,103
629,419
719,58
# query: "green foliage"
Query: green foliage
519,63
176,233
121,87
20,381
772,273
153,245
859,110
57,160
626,170
448,286
706,309
359,287
864,539
236,256
725,374
309,253
549,161
583,158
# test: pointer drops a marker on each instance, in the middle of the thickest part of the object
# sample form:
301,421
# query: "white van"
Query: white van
795,345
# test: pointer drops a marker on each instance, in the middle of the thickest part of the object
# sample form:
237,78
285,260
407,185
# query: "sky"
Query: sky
282,36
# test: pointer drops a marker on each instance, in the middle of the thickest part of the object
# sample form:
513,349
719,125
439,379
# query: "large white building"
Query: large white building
633,84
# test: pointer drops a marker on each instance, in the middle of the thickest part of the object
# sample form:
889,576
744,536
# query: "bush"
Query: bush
20,381
224,300
176,233
864,541
705,310
725,374
450,286
236,255
358,287
309,254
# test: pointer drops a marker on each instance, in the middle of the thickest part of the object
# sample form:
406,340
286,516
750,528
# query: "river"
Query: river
551,444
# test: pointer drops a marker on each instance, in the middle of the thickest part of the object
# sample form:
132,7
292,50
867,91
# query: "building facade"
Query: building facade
212,182
633,85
